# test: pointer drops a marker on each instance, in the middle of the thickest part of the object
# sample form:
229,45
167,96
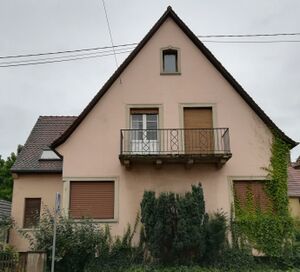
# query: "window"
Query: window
144,134
49,155
32,212
92,199
144,119
170,63
252,188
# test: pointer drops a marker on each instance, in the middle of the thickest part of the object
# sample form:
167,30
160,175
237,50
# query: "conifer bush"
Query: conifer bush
177,228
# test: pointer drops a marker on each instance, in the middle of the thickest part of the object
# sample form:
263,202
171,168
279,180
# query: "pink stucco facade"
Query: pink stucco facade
91,152
93,148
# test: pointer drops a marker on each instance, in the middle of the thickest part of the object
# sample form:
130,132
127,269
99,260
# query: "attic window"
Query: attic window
49,155
170,61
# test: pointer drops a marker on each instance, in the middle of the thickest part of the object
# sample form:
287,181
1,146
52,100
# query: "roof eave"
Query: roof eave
170,13
35,171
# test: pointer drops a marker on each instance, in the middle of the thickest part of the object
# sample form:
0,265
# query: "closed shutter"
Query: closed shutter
32,212
257,189
92,199
198,136
144,111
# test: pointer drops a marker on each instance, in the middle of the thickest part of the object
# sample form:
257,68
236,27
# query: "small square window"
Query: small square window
170,63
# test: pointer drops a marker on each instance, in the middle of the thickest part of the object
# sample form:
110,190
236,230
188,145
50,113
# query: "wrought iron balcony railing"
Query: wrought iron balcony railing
175,142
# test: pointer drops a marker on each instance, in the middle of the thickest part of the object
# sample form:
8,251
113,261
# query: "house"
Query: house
294,188
169,117
5,209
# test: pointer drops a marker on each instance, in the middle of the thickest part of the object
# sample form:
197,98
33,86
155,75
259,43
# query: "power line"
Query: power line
249,35
62,60
65,51
113,50
200,36
110,33
253,42
67,57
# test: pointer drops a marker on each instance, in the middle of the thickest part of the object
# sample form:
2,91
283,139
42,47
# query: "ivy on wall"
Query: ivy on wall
270,230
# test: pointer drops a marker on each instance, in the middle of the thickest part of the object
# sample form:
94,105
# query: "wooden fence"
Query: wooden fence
12,263
23,262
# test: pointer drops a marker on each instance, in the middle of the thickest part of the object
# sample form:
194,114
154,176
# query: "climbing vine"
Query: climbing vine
268,230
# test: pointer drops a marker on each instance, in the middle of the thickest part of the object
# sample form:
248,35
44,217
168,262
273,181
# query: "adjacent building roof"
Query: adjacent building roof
239,89
294,180
5,208
44,132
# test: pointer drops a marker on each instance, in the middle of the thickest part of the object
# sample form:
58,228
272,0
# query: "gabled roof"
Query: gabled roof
294,181
5,208
44,132
169,13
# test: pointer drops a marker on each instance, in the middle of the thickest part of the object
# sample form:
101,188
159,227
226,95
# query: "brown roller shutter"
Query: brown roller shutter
257,189
92,199
198,141
240,192
144,111
32,212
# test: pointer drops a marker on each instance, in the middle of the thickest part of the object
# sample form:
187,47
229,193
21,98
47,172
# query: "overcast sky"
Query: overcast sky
270,73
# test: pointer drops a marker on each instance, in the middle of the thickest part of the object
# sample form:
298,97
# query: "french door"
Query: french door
144,138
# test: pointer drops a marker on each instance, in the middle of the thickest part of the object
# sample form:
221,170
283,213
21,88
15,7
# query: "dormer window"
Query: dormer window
49,155
170,61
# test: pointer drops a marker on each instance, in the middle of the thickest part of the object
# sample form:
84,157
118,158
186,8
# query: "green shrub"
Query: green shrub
215,238
177,229
235,259
81,246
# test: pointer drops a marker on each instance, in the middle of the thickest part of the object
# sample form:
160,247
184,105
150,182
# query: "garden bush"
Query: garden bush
177,228
82,246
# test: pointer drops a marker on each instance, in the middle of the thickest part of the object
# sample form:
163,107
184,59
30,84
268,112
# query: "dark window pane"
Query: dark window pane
170,61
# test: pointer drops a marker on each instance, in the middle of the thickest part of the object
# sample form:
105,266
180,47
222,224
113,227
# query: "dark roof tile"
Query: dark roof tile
44,132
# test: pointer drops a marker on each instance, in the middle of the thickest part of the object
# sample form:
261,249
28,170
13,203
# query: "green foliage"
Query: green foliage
235,259
276,186
81,246
269,231
215,238
177,229
198,269
6,179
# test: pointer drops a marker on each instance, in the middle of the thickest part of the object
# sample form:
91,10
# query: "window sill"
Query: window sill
28,229
97,221
170,74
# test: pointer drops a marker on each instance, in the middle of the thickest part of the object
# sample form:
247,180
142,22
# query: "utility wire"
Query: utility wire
249,35
110,33
62,60
267,41
65,51
121,49
200,36
128,49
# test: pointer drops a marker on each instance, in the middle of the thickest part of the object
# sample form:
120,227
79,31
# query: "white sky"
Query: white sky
268,72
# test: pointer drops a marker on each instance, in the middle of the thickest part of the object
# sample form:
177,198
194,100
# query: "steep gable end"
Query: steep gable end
171,14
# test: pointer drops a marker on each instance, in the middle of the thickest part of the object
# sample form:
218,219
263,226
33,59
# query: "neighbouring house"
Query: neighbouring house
169,117
294,188
5,209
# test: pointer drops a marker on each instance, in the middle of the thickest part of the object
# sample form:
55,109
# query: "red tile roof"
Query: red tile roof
44,132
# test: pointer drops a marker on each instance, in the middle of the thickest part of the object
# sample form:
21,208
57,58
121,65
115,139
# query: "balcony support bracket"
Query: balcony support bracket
189,163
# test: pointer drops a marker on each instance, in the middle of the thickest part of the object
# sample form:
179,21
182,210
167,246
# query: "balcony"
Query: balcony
186,146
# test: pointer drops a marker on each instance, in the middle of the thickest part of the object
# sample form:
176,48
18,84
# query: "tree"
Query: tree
6,179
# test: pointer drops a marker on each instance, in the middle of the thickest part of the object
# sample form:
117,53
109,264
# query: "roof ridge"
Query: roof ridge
169,13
